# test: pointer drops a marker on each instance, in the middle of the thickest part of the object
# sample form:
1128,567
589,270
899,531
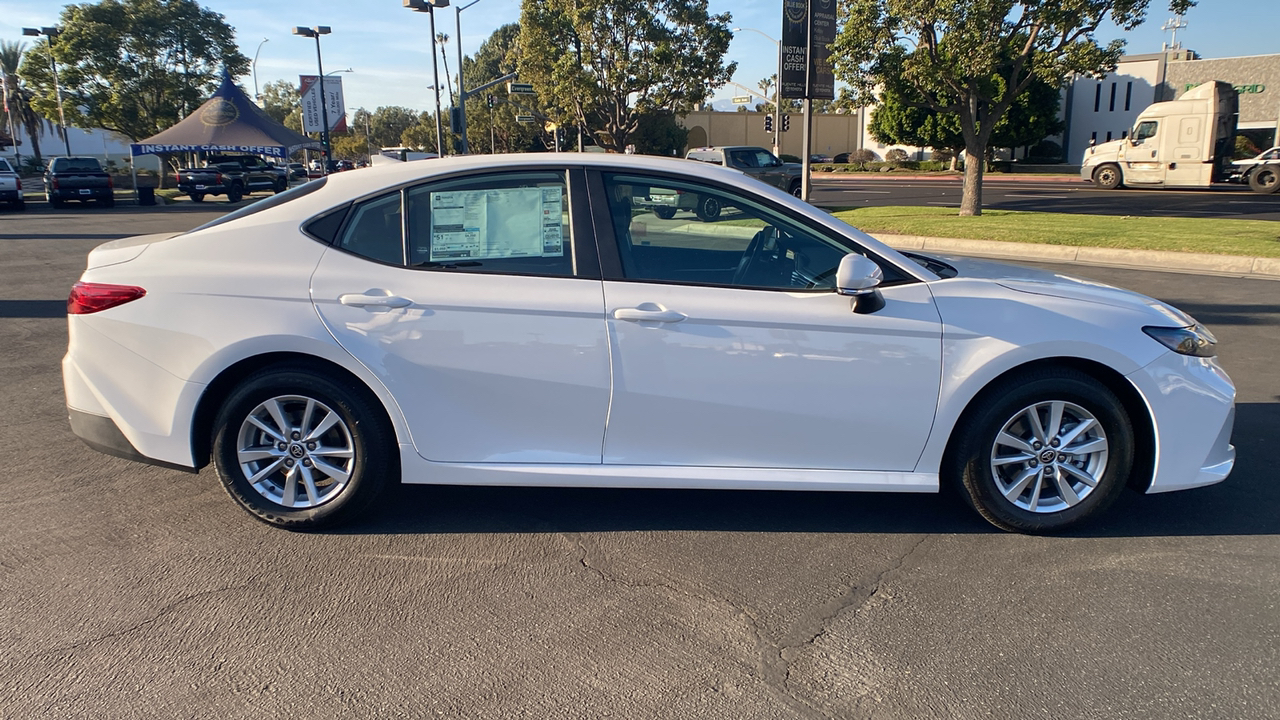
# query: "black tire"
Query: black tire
107,202
708,208
55,203
362,426
235,194
197,197
969,463
20,205
281,186
795,188
1108,176
665,213
1265,179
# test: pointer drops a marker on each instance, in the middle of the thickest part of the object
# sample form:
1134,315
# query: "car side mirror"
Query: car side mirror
859,277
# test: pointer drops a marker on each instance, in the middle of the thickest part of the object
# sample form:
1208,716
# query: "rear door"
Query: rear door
487,325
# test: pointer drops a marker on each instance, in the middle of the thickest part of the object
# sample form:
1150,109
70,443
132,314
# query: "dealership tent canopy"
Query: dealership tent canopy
228,122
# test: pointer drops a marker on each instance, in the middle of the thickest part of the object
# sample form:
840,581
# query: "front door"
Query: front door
732,349
1143,163
482,326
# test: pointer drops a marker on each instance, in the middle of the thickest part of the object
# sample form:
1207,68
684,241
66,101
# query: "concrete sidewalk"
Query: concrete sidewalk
957,177
1198,263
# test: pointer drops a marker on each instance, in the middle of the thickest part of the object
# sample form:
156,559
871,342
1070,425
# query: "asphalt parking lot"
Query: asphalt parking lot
134,591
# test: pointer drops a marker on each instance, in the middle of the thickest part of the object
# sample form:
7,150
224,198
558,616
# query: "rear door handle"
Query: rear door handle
368,300
639,315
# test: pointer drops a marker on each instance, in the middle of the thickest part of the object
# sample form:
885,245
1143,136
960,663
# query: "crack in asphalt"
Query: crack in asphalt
775,658
149,621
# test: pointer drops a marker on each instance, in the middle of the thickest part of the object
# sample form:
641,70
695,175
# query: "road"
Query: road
133,591
1037,195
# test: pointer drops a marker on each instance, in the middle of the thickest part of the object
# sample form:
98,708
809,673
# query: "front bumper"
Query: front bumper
1192,404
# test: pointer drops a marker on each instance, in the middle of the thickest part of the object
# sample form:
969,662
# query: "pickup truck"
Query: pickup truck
754,161
232,175
11,186
78,178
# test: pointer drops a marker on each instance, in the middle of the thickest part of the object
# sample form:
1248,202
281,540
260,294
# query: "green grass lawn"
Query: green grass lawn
1253,238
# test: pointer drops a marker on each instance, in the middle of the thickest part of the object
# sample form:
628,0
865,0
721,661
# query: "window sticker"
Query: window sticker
497,223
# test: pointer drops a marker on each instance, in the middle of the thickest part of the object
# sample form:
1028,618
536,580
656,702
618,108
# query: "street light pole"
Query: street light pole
51,33
462,92
777,93
316,32
428,7
256,96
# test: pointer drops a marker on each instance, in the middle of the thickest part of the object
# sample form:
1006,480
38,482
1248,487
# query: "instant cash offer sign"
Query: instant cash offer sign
311,115
808,29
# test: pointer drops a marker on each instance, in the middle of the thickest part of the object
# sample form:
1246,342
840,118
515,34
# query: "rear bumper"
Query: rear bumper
189,188
102,434
10,195
97,193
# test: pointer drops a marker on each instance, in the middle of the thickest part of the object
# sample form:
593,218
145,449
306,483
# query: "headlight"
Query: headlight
1195,341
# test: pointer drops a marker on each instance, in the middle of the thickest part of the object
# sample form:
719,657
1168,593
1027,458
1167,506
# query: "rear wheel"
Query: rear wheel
300,451
109,202
1108,176
19,205
665,213
55,202
1265,179
1043,451
197,197
708,208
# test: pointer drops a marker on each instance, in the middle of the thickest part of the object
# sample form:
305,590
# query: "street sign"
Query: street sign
526,119
520,88
742,100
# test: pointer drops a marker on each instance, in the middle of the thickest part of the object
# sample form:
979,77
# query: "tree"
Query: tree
602,64
388,124
498,56
133,66
281,101
902,118
952,51
660,134
421,135
19,97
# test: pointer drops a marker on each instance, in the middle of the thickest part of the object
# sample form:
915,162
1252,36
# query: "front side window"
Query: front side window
764,158
678,232
1144,130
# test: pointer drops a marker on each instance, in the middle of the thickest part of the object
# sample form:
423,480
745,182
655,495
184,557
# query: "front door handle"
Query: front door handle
646,315
374,300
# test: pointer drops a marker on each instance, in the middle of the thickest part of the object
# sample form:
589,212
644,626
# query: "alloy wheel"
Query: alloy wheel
1049,456
295,451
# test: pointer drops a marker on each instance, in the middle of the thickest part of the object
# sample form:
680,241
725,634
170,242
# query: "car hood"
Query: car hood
1034,281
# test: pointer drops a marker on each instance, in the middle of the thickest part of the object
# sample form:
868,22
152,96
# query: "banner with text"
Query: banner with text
795,48
822,32
337,108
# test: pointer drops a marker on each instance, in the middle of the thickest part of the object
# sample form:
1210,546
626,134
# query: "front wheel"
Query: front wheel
1108,177
234,195
795,189
665,213
300,451
281,186
1265,179
1044,451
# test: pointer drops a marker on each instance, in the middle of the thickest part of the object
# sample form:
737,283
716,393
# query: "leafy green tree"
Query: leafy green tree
602,64
133,66
660,134
498,56
388,124
281,100
19,96
421,135
951,51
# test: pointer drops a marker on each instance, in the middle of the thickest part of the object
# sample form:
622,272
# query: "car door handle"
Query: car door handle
367,300
642,315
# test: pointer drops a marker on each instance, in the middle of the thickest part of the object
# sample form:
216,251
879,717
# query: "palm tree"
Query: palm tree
442,39
20,96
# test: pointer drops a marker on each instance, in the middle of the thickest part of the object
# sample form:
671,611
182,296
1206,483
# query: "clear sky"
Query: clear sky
387,46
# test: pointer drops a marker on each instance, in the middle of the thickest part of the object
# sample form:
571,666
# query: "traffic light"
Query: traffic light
489,101
786,122
768,123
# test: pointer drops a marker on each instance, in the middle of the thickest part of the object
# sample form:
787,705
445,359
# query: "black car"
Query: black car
78,178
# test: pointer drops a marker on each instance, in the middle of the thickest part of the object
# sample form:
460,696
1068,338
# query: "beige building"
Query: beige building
832,133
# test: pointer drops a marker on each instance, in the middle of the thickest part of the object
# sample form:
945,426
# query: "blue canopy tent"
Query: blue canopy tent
228,122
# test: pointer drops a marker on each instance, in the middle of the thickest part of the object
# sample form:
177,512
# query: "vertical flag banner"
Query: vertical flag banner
337,108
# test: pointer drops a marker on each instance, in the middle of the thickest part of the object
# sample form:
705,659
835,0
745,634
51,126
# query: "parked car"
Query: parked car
471,321
1241,170
78,178
231,175
11,186
754,161
297,171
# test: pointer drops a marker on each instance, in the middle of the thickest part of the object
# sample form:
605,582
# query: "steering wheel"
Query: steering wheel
754,248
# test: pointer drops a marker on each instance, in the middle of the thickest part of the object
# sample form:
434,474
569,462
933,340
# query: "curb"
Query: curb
987,177
1157,260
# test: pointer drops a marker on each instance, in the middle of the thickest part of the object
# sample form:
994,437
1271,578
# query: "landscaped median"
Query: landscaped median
1196,244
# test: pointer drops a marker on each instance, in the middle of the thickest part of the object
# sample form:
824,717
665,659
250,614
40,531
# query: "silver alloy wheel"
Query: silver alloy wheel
295,451
1049,456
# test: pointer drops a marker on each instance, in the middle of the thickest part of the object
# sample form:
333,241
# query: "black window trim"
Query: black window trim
585,261
611,258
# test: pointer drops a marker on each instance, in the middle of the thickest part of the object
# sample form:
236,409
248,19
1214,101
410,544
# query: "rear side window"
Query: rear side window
375,231
512,223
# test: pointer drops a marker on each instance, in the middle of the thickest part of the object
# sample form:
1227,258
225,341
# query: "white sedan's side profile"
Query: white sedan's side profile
530,320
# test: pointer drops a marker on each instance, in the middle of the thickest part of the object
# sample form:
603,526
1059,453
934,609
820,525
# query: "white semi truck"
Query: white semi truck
1183,143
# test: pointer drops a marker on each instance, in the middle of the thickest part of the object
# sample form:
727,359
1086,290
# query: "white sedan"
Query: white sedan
525,320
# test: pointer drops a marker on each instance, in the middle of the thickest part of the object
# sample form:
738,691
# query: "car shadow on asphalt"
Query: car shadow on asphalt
1243,505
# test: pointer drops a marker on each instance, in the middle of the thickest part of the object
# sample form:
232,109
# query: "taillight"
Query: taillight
89,298
219,180
111,184
55,183
19,183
